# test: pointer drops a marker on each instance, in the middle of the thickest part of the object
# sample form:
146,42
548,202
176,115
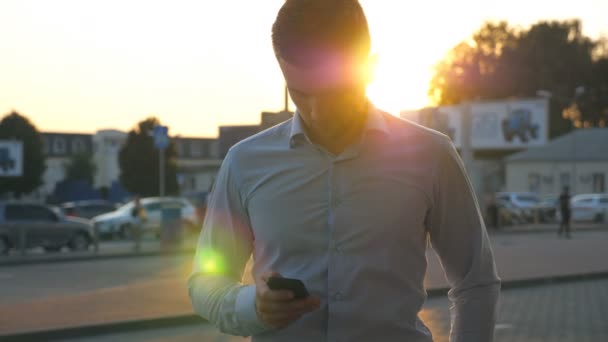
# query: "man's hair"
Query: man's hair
306,30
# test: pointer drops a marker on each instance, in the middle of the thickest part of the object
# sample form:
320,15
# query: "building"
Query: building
58,148
230,135
578,160
198,159
197,163
106,149
486,132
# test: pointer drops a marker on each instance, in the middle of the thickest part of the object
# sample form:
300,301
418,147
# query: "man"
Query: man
343,197
564,206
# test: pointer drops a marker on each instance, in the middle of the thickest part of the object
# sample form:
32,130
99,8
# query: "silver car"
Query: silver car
31,225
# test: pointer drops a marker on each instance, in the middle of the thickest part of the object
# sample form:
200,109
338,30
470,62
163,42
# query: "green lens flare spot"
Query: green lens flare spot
211,262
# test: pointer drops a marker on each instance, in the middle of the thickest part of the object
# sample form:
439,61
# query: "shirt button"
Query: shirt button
337,249
337,296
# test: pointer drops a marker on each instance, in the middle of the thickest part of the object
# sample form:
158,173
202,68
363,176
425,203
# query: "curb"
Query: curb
509,230
89,257
103,329
33,260
185,320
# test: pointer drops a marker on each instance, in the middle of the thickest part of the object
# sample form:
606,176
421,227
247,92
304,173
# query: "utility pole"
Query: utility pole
286,100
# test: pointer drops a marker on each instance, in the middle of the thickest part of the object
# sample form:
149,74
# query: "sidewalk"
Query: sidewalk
522,259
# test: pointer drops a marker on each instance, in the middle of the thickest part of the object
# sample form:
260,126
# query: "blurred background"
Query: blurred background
106,102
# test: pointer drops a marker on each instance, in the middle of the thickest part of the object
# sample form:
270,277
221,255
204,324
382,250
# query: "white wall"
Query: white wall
106,149
550,175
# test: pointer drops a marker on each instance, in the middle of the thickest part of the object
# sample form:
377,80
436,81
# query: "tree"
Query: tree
17,127
80,167
504,62
139,162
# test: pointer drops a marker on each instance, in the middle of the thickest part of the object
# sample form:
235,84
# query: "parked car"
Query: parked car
526,202
120,223
548,208
87,209
42,226
509,214
589,207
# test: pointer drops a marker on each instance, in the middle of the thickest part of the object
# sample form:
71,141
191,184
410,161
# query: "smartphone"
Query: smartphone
294,285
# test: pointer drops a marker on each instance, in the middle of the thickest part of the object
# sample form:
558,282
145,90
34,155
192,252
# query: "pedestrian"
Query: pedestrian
139,216
564,206
343,197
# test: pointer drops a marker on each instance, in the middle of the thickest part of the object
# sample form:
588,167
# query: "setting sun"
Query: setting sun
82,66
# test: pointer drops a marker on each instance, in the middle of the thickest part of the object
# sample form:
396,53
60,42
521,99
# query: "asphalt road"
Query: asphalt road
115,290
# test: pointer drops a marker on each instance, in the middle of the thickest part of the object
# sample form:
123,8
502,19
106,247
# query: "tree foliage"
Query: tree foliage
139,162
501,61
80,167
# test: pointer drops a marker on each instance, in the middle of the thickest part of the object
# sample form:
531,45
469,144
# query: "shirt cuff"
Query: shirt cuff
246,313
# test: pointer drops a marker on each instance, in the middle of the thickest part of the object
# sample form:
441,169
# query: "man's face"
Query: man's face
335,87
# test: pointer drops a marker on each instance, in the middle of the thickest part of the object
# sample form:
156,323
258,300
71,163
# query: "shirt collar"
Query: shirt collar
375,123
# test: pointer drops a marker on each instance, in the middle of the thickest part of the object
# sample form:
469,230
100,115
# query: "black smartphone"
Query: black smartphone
294,285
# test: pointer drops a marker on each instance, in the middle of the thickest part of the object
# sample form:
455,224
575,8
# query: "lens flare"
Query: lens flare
211,262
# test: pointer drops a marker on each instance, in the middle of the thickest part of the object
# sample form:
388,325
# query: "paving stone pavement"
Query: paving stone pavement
563,312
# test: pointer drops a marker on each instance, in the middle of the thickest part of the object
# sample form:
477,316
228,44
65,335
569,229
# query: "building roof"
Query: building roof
589,144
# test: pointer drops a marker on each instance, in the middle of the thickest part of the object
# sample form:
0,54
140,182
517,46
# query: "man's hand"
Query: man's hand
278,308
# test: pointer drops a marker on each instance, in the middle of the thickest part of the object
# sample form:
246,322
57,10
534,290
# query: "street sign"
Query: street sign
161,137
11,158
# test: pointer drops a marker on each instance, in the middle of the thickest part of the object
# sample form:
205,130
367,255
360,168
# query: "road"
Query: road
115,290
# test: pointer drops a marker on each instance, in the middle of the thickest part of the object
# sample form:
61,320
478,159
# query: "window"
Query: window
152,206
604,200
564,179
176,204
180,147
534,182
527,198
78,146
59,145
37,213
598,182
45,146
92,210
196,150
587,200
14,212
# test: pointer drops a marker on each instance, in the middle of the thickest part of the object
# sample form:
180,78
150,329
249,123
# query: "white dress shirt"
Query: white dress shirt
353,227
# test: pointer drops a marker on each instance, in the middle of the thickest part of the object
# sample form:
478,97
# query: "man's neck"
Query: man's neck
345,131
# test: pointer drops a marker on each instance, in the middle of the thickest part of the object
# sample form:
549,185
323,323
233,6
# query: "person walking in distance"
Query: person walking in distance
342,198
565,210
139,215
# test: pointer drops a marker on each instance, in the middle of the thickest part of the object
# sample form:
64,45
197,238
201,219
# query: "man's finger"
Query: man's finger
277,295
305,305
270,274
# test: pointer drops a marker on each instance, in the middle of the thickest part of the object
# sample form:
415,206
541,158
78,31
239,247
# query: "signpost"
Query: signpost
11,158
161,141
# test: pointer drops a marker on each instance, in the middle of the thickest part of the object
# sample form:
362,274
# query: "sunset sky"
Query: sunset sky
80,66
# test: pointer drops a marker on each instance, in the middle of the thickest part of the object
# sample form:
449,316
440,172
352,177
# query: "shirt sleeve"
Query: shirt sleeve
459,237
224,246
